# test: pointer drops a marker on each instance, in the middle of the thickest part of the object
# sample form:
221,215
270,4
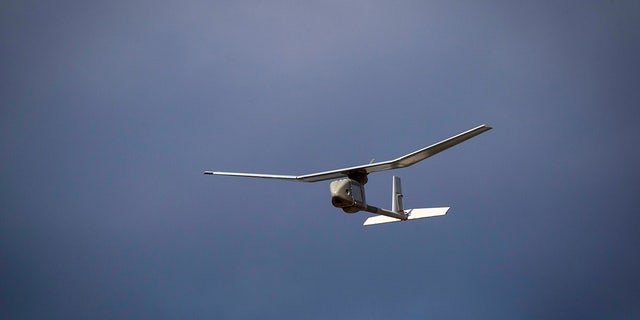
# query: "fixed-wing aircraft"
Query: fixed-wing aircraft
348,194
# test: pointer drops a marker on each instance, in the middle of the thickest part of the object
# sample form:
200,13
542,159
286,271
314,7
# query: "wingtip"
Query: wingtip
208,172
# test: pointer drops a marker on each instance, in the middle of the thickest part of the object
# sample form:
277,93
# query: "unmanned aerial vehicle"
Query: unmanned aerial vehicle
348,193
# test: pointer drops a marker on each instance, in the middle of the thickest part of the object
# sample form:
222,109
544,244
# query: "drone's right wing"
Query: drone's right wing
401,162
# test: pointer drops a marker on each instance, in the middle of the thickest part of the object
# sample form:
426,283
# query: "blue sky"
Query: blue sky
111,110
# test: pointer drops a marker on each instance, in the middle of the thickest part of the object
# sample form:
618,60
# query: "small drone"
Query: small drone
348,194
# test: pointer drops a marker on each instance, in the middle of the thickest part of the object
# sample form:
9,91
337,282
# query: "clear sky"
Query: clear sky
111,110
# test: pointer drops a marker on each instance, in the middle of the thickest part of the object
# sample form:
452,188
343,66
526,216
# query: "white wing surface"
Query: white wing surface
401,162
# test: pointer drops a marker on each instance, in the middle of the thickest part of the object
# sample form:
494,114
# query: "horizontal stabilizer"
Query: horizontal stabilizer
413,214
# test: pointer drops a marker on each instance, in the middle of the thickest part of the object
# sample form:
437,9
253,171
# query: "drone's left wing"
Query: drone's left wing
401,162
313,177
253,175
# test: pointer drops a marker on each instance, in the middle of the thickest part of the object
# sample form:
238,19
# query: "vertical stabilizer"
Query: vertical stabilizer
396,193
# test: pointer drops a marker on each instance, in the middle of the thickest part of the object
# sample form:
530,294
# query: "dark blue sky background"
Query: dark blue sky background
111,110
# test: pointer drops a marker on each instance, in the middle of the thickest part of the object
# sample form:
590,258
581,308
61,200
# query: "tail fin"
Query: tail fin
396,195
397,207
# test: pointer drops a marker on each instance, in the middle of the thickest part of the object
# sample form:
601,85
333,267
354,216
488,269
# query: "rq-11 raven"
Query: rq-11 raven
348,193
